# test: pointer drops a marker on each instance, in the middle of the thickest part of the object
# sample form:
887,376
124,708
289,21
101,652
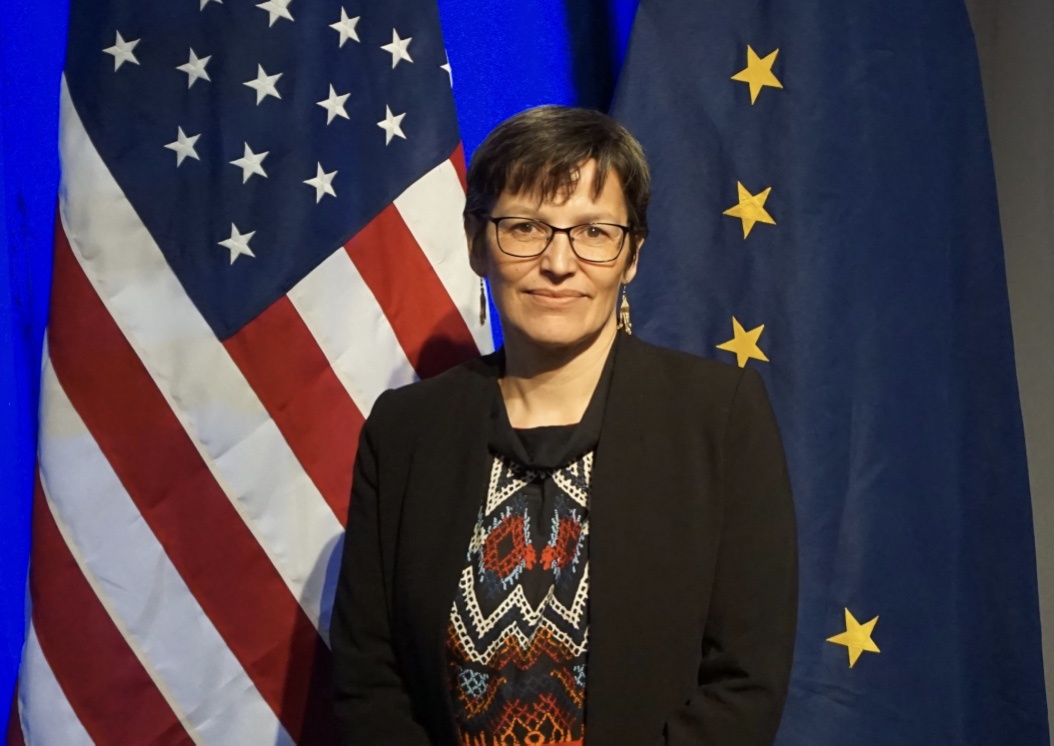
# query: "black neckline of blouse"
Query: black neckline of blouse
553,446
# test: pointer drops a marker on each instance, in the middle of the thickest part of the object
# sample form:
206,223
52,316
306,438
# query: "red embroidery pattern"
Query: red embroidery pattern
559,554
506,548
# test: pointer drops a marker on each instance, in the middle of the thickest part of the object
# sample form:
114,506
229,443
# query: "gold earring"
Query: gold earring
623,314
482,303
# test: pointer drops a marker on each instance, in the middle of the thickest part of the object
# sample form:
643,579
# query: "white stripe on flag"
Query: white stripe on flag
352,331
431,209
140,588
47,717
206,391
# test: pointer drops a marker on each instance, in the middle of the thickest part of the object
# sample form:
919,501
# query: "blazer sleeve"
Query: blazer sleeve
370,697
748,637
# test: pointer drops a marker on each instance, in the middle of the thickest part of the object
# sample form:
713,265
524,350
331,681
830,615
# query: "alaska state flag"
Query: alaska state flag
825,212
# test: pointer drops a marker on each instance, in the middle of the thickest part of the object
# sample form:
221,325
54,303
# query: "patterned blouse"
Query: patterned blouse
519,625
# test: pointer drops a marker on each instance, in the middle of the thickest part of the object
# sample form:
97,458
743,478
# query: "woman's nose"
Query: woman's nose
559,258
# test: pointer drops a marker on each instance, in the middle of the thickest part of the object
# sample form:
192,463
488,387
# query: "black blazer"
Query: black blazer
693,561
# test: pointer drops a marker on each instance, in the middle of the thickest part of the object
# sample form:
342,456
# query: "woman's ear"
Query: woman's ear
477,245
631,269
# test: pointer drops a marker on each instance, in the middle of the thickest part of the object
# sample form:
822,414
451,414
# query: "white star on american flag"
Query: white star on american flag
122,52
264,84
250,162
398,48
276,9
346,27
446,66
183,146
238,243
323,183
195,68
392,125
334,105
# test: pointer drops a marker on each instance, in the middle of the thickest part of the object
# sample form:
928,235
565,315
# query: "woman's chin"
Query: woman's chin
556,333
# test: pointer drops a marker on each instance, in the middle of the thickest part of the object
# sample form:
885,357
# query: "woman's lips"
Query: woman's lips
554,298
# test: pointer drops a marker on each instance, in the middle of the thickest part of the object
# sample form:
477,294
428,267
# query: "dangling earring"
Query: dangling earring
623,314
482,303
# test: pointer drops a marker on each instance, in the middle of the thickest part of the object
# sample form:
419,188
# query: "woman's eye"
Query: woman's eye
595,232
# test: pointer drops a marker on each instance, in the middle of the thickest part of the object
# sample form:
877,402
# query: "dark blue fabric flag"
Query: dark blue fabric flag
825,212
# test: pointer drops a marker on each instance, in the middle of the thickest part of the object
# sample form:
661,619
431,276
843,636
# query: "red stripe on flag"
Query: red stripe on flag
219,559
285,366
426,322
88,655
458,159
14,724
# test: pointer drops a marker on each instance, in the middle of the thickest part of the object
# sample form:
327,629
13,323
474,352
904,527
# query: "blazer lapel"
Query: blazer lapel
631,519
447,481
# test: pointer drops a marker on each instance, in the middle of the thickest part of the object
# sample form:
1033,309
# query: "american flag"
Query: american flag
259,232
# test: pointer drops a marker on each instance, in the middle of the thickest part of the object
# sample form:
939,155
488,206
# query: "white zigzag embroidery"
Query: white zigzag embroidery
573,488
517,600
524,641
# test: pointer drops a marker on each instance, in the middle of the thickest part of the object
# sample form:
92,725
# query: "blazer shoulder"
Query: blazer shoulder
684,371
686,388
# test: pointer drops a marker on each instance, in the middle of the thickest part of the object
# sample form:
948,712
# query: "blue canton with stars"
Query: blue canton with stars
361,109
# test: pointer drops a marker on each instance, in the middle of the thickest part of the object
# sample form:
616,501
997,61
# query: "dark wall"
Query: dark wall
1015,41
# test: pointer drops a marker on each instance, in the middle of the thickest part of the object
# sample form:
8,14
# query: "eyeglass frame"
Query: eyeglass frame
626,230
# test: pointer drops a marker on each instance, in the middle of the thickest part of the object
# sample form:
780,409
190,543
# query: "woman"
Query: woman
582,535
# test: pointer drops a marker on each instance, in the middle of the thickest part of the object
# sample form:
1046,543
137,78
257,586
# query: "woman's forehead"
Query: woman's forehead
580,190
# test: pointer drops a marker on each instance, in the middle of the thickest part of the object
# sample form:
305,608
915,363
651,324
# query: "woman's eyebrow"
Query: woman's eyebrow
522,211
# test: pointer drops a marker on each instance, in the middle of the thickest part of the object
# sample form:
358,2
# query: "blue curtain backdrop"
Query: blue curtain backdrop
32,36
505,57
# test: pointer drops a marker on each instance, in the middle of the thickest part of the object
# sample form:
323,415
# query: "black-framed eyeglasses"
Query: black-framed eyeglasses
526,238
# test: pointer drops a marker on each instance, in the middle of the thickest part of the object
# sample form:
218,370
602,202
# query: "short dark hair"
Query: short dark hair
542,149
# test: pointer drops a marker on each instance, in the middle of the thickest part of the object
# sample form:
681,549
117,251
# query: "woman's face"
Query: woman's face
556,299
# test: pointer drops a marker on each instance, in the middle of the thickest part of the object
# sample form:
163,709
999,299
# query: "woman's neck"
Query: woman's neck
544,386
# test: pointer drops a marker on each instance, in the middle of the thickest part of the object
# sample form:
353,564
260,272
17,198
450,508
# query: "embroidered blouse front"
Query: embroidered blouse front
518,627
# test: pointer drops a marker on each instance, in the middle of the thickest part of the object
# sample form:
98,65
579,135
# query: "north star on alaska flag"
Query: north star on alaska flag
259,232
824,212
